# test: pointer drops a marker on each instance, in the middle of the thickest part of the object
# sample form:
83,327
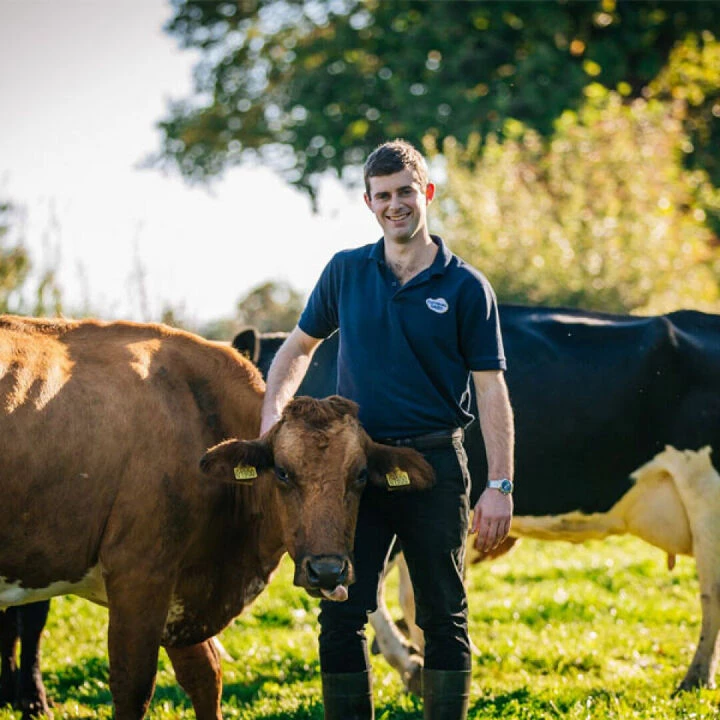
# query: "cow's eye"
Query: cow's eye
362,477
282,475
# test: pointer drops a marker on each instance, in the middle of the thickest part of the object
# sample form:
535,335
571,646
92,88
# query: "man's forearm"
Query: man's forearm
498,429
285,375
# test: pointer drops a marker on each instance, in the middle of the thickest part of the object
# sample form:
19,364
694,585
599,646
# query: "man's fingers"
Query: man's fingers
490,534
486,536
477,517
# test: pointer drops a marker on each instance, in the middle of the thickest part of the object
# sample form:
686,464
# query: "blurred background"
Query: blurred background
197,162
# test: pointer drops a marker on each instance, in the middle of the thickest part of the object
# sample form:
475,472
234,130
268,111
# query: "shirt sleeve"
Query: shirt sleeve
320,316
480,335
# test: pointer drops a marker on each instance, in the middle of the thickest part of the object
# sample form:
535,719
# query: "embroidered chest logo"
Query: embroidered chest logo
438,305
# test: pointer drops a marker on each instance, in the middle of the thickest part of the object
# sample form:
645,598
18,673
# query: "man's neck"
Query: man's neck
408,259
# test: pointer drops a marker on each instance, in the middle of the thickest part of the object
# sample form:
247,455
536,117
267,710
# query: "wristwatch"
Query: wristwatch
504,485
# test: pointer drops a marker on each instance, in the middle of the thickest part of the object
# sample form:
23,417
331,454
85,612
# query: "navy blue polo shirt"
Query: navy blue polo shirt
406,352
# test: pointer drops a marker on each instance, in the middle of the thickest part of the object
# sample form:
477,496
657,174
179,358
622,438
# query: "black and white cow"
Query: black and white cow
596,397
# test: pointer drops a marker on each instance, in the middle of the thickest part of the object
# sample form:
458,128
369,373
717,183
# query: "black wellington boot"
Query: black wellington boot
347,696
446,694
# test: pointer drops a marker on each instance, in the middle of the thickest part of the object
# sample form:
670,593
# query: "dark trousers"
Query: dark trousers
431,526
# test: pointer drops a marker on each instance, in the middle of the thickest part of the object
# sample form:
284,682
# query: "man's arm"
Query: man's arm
493,512
285,375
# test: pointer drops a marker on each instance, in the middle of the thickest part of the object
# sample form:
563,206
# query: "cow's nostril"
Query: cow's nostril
312,576
327,571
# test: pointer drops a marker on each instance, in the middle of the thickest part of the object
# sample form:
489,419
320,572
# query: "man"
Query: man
416,323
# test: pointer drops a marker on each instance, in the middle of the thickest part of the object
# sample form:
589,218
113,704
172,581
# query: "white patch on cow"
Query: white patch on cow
91,587
176,611
253,589
438,305
698,484
652,510
401,653
222,652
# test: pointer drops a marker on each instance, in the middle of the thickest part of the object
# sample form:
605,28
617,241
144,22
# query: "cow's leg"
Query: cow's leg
704,664
406,596
198,670
137,612
8,659
32,697
393,645
697,485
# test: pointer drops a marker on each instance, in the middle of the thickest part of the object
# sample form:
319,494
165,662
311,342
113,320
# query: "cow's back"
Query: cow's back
594,397
696,336
101,429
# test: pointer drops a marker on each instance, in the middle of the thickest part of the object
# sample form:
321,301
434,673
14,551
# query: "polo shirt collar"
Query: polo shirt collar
441,261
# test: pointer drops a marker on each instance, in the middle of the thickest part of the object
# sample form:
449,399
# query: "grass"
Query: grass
590,632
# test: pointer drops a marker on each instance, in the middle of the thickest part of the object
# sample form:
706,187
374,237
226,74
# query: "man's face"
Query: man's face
400,205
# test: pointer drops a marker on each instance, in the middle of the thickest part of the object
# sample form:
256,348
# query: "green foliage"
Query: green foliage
314,85
270,306
14,259
603,215
692,79
600,631
15,267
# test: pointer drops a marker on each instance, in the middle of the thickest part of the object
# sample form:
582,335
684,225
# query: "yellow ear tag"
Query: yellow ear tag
245,474
397,478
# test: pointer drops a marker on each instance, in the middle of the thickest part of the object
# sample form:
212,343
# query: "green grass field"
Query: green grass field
597,631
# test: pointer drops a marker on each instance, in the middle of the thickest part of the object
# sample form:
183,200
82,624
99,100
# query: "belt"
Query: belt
439,439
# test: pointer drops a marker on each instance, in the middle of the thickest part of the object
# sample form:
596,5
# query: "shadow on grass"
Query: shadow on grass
85,681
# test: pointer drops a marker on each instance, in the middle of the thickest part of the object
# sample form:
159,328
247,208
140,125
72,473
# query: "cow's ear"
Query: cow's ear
247,343
238,461
398,468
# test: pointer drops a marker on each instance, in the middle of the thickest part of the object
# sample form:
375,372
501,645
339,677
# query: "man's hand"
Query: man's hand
491,519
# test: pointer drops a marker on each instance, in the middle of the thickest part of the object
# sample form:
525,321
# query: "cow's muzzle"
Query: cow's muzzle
325,576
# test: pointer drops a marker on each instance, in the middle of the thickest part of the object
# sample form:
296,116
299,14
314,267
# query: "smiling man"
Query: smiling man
417,326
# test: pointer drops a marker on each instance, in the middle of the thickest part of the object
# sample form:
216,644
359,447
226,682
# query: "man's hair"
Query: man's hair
395,156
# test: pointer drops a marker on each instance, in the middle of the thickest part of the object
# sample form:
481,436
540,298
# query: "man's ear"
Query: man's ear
398,468
429,192
239,461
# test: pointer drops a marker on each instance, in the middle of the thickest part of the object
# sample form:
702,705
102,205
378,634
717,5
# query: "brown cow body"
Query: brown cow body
101,430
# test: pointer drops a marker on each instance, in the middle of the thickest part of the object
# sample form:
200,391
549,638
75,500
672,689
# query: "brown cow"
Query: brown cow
101,430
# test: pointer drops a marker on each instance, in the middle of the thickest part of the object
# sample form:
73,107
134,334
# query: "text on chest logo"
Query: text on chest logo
438,305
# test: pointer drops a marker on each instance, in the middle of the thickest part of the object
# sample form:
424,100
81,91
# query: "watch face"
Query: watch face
506,486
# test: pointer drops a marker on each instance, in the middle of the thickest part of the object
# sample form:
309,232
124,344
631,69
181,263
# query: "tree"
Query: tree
604,215
692,78
14,259
314,85
270,306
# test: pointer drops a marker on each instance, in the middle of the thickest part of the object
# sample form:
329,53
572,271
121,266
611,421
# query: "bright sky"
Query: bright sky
82,84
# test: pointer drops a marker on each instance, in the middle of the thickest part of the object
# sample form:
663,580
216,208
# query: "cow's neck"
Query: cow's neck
247,548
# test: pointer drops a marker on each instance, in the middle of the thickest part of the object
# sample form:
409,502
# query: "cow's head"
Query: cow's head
318,460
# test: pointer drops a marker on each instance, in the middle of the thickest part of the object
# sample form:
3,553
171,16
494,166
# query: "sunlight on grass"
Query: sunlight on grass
590,632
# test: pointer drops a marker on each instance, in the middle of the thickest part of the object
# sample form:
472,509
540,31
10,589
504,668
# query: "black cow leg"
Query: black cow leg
32,697
8,657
